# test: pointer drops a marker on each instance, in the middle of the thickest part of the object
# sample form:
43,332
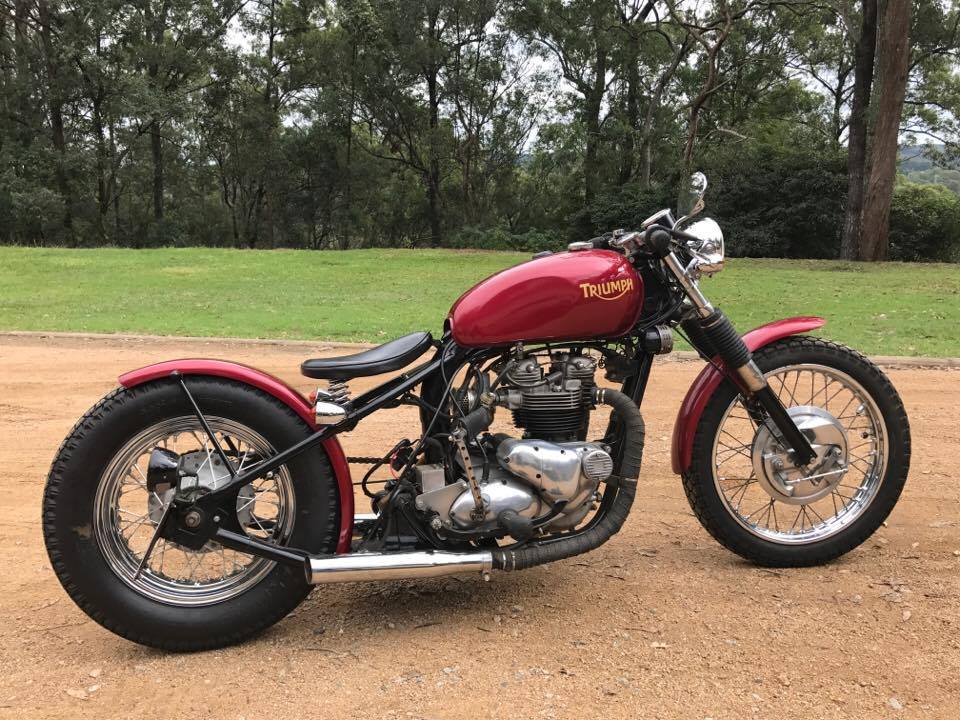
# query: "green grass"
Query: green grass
373,295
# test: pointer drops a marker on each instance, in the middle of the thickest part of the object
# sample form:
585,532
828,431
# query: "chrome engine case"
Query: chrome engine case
534,469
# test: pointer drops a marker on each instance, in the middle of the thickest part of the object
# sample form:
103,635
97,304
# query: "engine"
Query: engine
555,406
547,479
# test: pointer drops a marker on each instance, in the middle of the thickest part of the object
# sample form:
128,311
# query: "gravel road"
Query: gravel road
661,622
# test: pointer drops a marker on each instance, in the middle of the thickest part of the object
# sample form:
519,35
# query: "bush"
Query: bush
628,206
924,223
779,204
770,203
532,241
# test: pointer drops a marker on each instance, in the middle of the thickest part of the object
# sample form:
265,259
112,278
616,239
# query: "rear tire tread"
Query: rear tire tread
59,478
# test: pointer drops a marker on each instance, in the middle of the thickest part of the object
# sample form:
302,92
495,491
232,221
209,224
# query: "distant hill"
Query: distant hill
919,168
914,158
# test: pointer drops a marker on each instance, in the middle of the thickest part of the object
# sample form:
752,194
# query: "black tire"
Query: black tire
77,558
709,507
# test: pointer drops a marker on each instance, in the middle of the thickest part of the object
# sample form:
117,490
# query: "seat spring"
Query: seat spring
339,391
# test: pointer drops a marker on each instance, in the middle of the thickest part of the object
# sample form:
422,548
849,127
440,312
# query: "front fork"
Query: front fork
714,336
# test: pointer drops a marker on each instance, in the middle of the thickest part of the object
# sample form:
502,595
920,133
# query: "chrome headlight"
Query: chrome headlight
708,246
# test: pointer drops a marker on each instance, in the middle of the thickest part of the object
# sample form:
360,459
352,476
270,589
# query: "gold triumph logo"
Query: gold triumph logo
612,290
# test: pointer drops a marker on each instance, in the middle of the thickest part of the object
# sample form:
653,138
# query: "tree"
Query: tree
54,91
170,42
405,64
857,135
652,54
494,102
579,36
893,51
302,123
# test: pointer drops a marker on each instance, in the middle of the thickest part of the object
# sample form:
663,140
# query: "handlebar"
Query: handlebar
601,242
657,240
654,240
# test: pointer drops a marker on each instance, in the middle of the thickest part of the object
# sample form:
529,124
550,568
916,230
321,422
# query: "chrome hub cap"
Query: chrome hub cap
780,477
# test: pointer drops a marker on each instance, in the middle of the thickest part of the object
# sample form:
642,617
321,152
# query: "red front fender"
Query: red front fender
709,380
282,392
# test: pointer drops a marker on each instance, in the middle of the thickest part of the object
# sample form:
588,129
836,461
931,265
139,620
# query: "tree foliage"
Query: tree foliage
472,123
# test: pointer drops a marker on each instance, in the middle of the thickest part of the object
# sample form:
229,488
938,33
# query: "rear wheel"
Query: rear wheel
100,511
747,492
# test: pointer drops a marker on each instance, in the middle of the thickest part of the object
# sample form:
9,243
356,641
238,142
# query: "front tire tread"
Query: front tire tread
707,506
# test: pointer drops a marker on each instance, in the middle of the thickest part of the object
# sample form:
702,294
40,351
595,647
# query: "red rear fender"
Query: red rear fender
282,392
709,380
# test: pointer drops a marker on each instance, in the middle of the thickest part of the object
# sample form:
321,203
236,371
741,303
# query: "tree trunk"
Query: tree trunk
114,183
264,207
857,134
103,197
55,108
656,97
433,165
632,72
838,102
590,161
156,25
433,204
156,153
592,107
712,61
22,50
893,53
343,237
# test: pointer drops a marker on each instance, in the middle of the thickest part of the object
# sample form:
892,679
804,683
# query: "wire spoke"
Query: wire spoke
797,519
843,500
176,574
798,385
813,510
758,510
783,386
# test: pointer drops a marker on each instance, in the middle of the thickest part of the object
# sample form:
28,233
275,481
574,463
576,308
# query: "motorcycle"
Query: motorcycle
200,501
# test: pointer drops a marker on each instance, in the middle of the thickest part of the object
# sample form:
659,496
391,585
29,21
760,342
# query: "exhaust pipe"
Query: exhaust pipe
357,567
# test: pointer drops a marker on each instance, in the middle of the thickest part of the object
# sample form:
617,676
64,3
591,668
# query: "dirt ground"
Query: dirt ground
660,622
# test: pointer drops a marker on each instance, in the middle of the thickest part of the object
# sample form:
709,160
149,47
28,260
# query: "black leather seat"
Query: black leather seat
381,359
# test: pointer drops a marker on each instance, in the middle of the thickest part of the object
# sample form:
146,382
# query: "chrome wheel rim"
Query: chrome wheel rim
751,499
126,513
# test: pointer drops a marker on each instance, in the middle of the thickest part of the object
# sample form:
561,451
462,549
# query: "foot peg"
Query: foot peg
517,526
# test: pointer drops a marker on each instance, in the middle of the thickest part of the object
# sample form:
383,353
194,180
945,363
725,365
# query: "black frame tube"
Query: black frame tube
252,546
206,427
373,400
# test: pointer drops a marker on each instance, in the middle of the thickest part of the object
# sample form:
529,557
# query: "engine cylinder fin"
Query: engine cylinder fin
540,424
559,410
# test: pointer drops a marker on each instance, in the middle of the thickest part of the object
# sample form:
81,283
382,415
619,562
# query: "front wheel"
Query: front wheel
750,496
101,507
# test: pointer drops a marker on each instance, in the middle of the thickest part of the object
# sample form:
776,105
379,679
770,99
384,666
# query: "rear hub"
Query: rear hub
193,474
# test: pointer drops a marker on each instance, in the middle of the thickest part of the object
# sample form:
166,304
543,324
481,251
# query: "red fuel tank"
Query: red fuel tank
567,296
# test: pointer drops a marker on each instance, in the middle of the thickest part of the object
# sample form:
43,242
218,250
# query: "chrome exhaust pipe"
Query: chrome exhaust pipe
356,567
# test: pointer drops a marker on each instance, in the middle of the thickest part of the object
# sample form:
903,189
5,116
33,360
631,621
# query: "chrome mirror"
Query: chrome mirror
690,201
